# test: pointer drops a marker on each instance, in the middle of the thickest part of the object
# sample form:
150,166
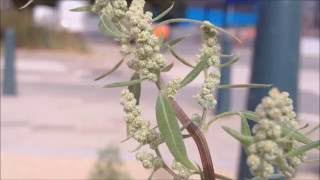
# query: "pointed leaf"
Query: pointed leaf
164,13
176,41
245,140
82,9
167,68
224,86
194,73
110,71
229,63
27,4
126,83
183,61
135,89
169,129
107,26
304,148
222,177
245,129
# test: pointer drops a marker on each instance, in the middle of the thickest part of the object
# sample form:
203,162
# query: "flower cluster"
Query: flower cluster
181,170
138,128
148,59
205,97
149,160
210,49
173,87
270,143
116,9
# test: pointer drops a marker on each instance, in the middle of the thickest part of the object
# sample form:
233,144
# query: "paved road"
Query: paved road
61,116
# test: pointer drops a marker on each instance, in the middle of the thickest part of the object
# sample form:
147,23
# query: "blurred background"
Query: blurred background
57,123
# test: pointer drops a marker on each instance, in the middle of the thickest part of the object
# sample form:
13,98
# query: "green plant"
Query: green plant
276,142
108,165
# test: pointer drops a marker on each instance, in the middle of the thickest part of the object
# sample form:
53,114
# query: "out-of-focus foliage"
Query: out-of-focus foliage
108,165
28,35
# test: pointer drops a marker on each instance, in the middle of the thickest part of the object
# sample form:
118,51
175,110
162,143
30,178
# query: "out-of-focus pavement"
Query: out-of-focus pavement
61,117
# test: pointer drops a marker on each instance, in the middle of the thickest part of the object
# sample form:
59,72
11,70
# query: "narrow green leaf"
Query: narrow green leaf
167,68
183,61
82,9
229,63
123,84
169,129
194,73
179,20
217,117
164,13
135,89
244,140
224,86
245,129
109,27
222,177
110,71
173,42
304,148
27,4
313,130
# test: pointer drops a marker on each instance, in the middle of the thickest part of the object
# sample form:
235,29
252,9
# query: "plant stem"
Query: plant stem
199,139
165,166
197,136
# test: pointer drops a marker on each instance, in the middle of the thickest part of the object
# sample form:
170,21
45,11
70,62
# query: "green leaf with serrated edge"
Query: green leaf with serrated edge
111,70
224,86
135,89
27,4
82,9
229,63
244,140
170,131
123,84
245,129
164,13
286,130
167,68
183,61
300,150
194,73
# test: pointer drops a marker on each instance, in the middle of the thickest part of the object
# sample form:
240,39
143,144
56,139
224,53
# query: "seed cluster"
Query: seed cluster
270,143
149,160
181,170
205,97
138,128
147,57
210,51
173,87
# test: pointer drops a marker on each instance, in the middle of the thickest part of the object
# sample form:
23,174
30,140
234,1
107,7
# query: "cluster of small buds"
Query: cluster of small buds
147,59
181,170
149,160
270,143
210,49
99,5
138,128
173,87
205,97
277,107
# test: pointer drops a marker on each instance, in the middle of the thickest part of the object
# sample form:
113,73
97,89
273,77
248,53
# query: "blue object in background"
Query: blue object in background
235,19
9,77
